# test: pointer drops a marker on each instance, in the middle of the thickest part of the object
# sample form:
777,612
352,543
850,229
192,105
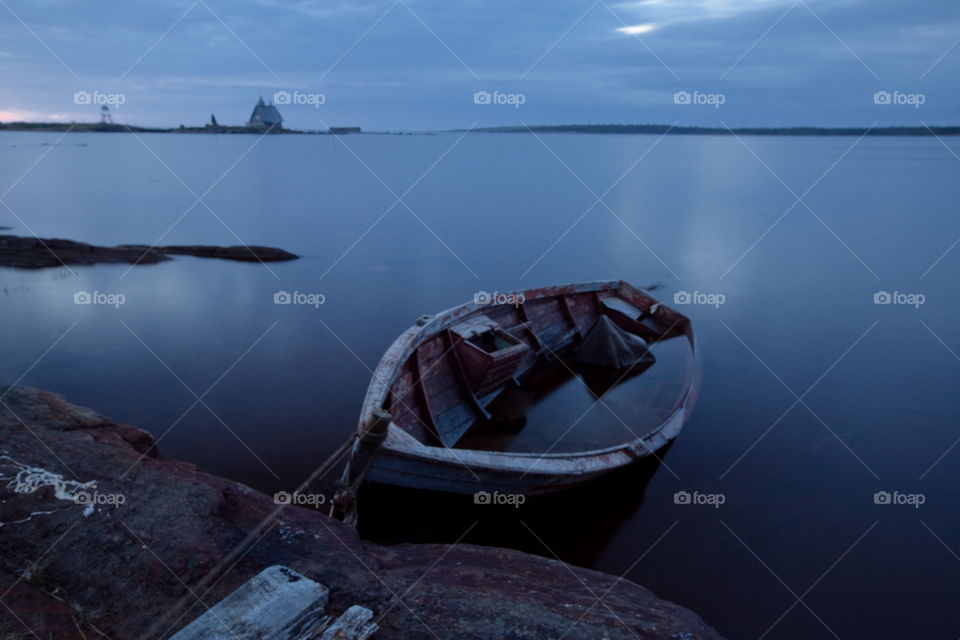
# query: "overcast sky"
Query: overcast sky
418,64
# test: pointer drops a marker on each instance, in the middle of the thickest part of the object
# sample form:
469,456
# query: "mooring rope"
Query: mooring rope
363,445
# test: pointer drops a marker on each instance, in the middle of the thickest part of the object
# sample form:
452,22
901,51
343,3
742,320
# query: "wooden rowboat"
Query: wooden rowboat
442,377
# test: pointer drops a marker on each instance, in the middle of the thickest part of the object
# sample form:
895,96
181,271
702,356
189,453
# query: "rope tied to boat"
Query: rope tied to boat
363,447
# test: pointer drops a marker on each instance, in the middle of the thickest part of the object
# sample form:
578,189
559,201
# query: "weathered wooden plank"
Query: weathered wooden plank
553,334
505,315
445,400
356,623
277,604
584,309
405,409
439,379
431,348
422,397
454,422
621,305
403,387
461,375
538,308
548,320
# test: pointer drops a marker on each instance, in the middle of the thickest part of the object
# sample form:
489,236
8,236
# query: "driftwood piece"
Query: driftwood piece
356,623
278,603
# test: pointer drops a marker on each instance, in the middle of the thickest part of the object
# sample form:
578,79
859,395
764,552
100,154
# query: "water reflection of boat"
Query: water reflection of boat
551,525
475,369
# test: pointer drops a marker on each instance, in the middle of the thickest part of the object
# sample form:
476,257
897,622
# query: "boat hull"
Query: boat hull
470,472
401,457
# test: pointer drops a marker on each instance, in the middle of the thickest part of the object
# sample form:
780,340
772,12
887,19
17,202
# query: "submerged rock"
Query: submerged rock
129,540
38,253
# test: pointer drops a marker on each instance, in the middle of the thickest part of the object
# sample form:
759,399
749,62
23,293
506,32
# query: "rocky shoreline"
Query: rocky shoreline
38,253
101,534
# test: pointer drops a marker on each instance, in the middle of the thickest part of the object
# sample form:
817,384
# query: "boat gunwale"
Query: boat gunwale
406,344
572,463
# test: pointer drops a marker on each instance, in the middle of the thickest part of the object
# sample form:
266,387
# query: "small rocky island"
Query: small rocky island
101,536
38,253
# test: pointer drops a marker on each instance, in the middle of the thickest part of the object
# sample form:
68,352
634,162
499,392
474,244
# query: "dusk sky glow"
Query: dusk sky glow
415,65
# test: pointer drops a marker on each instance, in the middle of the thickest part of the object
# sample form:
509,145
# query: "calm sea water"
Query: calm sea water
814,398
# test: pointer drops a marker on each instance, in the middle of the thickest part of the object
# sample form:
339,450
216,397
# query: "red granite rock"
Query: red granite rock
137,569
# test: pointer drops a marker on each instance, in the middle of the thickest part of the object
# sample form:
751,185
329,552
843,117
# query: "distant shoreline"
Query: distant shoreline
650,129
662,129
99,127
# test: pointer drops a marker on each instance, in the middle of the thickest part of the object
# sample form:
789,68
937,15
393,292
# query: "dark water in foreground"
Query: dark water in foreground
813,397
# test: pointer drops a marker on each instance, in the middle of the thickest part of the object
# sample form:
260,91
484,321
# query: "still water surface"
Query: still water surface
813,397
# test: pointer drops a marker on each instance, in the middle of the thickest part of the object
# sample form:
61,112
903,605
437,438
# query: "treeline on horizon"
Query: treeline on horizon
756,131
